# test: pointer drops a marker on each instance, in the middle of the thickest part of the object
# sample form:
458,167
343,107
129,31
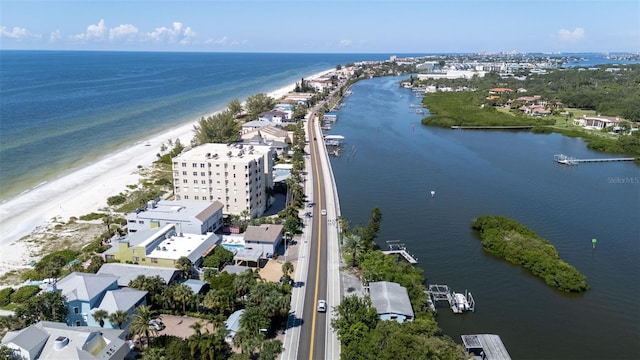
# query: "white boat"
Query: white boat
460,301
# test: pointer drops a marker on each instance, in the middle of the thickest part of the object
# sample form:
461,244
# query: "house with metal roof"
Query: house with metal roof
266,237
391,301
485,347
191,217
85,293
128,272
52,340
233,324
274,116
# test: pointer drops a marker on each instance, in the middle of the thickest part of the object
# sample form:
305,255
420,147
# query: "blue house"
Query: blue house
85,293
391,301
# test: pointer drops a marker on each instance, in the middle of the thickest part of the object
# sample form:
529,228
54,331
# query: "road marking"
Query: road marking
315,295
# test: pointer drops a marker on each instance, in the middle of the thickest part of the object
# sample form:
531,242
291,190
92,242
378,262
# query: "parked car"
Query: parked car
322,306
324,212
156,324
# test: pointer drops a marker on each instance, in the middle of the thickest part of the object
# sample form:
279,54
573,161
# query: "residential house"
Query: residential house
162,247
391,301
86,293
500,91
191,217
233,324
52,340
276,138
285,108
255,124
274,116
265,237
128,272
597,122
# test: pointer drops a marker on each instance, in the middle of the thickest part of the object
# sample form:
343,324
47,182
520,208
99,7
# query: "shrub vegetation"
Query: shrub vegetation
520,245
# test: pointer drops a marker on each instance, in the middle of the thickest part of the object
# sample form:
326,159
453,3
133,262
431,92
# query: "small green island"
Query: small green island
520,245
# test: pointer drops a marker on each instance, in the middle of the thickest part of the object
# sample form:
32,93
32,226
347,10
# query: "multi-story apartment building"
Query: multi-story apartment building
234,174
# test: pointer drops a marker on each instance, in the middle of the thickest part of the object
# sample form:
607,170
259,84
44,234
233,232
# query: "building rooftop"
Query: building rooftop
179,210
224,152
58,341
390,298
121,299
265,233
127,272
84,286
193,246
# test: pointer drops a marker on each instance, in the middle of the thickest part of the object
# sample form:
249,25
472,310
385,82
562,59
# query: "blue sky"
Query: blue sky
349,26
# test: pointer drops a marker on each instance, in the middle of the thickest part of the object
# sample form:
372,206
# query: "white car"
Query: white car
156,324
323,212
322,306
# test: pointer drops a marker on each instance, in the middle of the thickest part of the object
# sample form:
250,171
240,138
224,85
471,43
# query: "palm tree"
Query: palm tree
196,326
287,270
140,323
184,265
353,245
182,293
118,318
244,282
154,353
99,315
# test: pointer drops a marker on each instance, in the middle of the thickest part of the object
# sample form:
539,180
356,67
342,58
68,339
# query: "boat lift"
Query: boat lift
458,302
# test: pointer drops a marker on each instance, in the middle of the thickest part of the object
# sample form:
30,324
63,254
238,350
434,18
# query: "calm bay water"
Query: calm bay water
60,110
393,162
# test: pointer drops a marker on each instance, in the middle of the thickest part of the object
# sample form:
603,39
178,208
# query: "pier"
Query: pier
458,302
569,160
520,127
397,248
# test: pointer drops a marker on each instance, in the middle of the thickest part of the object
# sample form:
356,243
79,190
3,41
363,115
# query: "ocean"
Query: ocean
62,110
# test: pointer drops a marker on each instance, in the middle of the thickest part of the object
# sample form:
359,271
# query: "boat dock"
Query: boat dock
569,160
521,127
485,347
458,302
397,248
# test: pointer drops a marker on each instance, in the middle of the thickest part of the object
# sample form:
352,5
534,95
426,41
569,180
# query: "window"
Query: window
203,182
186,197
135,251
140,221
184,164
202,166
202,173
136,259
195,181
196,197
76,310
194,165
195,173
185,181
184,173
154,261
78,323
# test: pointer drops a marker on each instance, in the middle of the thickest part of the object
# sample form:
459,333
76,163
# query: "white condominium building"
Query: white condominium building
234,174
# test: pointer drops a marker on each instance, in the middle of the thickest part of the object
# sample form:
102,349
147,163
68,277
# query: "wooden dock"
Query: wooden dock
399,249
569,160
485,347
515,127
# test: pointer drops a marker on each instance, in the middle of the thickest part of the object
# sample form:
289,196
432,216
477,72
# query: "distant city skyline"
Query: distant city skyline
310,26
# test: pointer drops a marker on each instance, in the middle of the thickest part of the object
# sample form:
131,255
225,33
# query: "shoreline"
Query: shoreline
84,190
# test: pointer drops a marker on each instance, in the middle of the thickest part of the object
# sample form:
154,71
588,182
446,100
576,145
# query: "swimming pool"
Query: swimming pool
232,247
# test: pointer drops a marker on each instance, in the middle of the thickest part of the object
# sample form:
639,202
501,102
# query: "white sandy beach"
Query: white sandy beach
83,191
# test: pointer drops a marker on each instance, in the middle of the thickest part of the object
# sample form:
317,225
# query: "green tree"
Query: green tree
219,128
184,264
270,350
218,258
100,315
235,107
7,353
140,323
118,318
287,270
258,103
183,294
154,353
351,312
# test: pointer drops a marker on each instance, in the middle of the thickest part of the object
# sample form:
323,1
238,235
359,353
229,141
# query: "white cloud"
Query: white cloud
223,40
124,31
17,33
345,43
571,36
94,32
55,36
172,35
